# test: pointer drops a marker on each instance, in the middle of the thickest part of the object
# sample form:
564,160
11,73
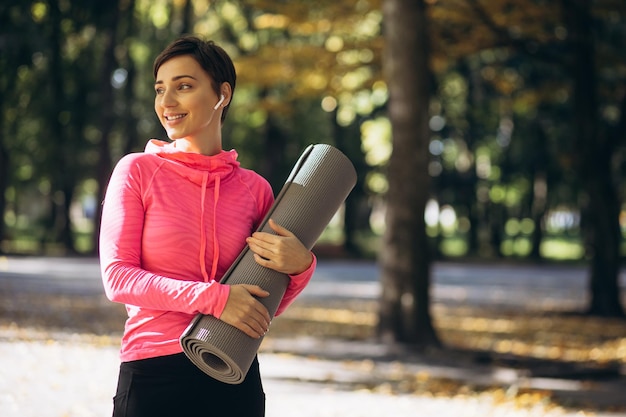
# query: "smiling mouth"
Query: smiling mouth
175,117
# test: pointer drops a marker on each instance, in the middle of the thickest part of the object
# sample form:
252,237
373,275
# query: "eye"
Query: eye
159,90
184,87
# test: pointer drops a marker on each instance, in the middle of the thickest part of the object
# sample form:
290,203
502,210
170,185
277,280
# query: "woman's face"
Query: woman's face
184,99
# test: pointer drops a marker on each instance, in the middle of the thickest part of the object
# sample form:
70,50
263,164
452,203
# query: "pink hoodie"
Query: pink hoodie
172,224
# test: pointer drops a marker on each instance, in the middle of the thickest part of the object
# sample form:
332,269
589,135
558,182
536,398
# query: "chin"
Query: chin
174,136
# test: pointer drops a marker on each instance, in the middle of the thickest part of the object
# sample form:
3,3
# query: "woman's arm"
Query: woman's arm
125,281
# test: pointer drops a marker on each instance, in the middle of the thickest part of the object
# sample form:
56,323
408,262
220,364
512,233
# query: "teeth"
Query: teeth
179,116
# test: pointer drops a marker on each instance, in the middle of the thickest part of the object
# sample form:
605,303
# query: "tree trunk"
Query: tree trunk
538,202
4,180
601,206
405,256
106,115
187,18
130,120
356,212
272,166
59,227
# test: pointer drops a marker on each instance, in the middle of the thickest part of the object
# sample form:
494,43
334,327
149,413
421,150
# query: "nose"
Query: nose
168,99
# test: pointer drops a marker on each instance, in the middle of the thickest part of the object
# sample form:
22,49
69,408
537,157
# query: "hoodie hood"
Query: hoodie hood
202,170
194,166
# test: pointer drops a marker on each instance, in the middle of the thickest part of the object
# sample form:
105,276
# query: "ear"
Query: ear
226,91
219,103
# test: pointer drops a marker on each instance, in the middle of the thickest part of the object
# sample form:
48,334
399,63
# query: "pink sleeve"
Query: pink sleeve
120,254
296,285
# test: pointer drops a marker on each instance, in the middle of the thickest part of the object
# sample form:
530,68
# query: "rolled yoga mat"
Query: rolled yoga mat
317,186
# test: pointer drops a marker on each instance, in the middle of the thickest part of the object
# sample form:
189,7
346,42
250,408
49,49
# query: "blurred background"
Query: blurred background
76,94
507,117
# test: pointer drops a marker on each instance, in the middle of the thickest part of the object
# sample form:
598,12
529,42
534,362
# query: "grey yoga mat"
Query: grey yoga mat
317,186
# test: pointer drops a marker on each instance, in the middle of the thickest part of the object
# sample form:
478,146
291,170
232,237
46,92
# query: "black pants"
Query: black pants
172,386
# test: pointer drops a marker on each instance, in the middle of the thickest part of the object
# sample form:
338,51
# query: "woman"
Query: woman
175,217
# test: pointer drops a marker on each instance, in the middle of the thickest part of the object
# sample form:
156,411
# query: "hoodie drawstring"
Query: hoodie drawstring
203,240
205,179
216,246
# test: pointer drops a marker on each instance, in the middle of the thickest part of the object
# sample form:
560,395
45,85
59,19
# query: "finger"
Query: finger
266,262
259,320
252,330
260,313
254,321
262,317
262,239
257,329
280,230
259,248
242,307
256,290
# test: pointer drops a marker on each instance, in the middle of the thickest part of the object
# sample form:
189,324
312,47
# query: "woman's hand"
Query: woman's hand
282,252
245,312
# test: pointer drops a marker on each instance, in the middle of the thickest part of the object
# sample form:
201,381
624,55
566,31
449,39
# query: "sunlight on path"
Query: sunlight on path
76,379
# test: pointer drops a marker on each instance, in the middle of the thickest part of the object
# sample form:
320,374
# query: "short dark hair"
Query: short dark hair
213,59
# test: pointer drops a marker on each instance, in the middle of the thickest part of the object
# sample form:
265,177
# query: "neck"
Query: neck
208,148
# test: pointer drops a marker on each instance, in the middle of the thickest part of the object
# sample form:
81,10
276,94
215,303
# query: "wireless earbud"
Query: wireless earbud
219,103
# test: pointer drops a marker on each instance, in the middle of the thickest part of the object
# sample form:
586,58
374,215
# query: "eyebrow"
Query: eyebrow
178,77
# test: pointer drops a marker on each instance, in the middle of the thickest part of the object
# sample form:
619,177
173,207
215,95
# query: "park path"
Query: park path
481,284
68,375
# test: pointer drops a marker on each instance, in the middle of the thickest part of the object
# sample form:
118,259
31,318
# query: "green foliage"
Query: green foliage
308,72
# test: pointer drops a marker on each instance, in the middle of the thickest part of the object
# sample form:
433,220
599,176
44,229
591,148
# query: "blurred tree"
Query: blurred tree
110,42
500,124
91,106
291,54
15,56
556,66
572,49
57,165
594,160
405,256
